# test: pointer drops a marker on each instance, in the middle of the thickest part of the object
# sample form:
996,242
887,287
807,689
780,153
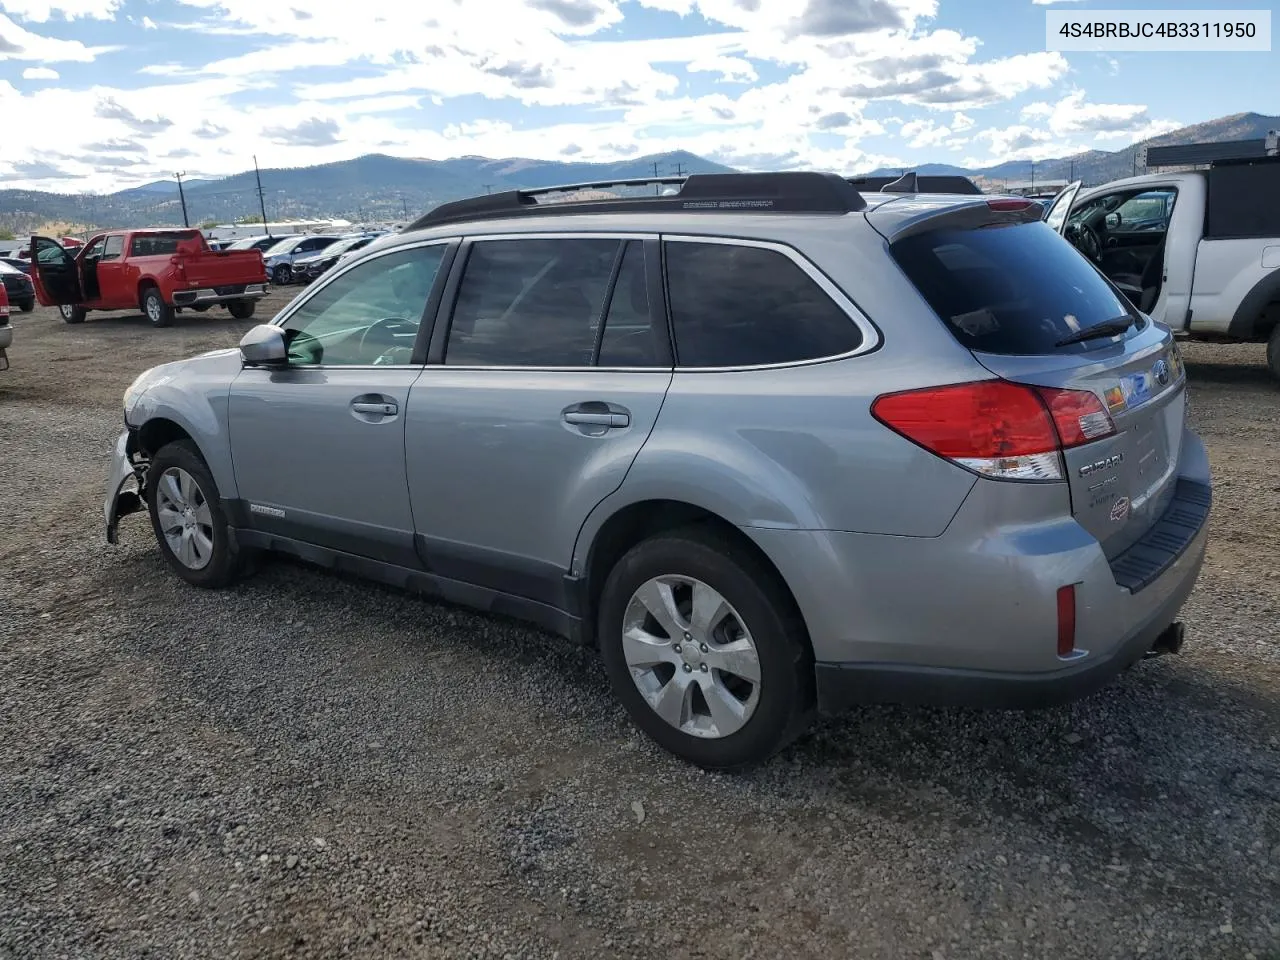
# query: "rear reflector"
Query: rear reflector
1066,620
999,429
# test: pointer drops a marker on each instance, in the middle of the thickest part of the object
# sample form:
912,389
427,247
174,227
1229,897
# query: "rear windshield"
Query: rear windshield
159,244
1015,289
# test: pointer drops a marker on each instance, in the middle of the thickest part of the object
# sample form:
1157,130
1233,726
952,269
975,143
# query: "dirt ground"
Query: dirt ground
308,766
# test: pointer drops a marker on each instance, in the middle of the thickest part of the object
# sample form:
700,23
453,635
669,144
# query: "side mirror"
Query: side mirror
263,345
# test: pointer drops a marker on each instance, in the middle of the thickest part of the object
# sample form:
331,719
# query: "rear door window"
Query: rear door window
531,303
734,305
1241,202
1016,289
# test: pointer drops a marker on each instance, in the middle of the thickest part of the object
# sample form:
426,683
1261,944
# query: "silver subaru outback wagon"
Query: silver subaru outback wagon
776,447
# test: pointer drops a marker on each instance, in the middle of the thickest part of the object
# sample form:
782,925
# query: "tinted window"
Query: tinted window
531,303
1013,289
1242,201
368,315
95,249
630,338
114,247
734,305
282,246
159,244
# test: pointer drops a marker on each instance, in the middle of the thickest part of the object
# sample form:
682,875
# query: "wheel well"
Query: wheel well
143,286
154,434
649,518
1269,320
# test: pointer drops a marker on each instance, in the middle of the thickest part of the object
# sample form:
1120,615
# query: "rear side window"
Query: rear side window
1242,201
159,244
1009,289
737,306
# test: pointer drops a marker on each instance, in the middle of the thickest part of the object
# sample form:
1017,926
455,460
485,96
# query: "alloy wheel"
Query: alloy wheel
185,519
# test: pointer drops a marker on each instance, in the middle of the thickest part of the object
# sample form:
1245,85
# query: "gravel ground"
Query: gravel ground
306,766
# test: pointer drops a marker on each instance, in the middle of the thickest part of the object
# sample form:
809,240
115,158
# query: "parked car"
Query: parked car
1198,251
773,446
158,271
23,266
6,330
17,286
253,243
279,257
307,269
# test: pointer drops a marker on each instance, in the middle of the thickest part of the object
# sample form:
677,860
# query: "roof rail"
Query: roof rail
1226,151
782,192
925,183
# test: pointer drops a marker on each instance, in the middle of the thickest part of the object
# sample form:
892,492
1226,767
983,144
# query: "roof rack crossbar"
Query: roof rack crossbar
782,192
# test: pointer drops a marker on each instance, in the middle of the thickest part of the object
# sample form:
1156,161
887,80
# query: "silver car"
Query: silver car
774,446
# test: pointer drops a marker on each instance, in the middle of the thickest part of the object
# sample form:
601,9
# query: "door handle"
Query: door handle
374,409
598,419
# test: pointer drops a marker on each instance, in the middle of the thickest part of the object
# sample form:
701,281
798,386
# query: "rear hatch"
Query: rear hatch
1033,311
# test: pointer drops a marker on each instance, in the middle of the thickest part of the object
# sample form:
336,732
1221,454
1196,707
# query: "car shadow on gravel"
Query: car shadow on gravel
1231,374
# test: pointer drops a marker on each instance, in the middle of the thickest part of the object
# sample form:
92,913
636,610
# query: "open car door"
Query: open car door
1056,215
55,273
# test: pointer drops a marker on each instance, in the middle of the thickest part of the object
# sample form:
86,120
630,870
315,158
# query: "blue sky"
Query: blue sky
110,93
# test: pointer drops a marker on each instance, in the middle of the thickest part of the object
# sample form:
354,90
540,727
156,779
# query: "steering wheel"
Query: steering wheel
1087,242
388,330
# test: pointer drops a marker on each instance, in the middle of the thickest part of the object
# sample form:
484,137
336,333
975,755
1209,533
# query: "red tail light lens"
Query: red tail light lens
996,428
1078,414
1011,204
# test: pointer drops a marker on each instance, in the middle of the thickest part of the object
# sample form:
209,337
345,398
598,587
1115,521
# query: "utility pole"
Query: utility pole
262,203
1135,161
657,187
1033,176
404,205
1072,178
183,197
488,188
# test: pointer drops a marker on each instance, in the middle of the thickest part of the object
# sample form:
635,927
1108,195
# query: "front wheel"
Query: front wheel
706,650
71,313
241,309
158,312
189,522
282,274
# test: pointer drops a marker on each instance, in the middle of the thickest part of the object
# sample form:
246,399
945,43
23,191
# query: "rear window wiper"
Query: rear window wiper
1107,328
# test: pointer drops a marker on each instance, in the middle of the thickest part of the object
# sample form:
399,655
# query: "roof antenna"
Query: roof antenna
904,184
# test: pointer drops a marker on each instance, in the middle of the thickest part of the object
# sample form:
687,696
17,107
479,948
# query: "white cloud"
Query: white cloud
403,65
42,11
39,73
18,43
1073,114
1046,3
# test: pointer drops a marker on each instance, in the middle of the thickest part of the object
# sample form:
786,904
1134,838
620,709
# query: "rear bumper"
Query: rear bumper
970,617
216,295
843,685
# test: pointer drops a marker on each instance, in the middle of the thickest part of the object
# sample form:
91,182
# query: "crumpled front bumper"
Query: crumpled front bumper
121,502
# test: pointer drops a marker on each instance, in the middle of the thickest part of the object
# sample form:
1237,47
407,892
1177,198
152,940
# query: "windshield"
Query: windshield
244,243
283,246
5,268
1017,289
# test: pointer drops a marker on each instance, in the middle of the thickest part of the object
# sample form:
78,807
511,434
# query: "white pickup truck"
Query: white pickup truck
1198,251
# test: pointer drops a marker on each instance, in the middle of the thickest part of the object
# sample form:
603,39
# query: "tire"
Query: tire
769,713
1273,352
71,313
241,309
282,275
176,476
156,310
26,306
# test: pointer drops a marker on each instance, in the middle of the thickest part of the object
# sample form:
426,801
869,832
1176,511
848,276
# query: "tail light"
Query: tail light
1009,431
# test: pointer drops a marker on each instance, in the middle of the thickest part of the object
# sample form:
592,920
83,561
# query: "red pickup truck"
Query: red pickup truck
157,271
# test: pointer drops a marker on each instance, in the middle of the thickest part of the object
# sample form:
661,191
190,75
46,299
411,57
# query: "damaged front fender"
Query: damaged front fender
120,501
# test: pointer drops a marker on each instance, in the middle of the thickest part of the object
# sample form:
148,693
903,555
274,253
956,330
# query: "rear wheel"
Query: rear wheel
189,522
72,313
241,309
158,312
1273,352
705,649
26,306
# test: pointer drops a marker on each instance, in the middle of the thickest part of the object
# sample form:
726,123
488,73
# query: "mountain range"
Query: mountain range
379,187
